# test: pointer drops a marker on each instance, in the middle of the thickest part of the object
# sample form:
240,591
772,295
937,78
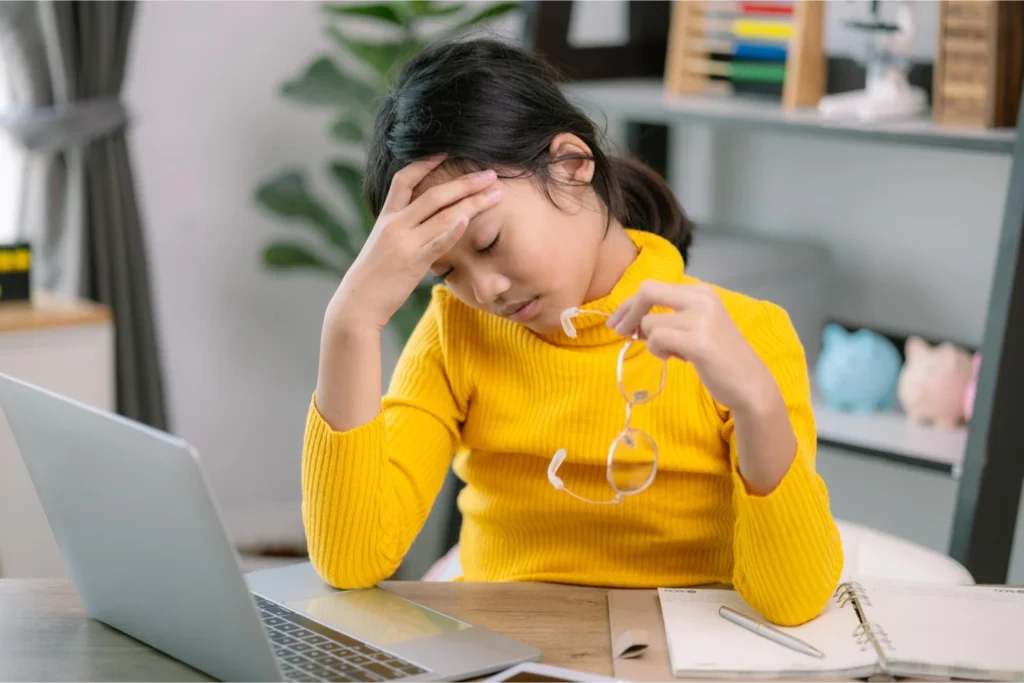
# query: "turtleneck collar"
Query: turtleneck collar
657,259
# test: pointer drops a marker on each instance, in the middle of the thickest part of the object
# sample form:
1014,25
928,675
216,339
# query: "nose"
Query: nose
487,287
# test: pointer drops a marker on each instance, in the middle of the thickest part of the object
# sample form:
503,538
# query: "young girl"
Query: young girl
564,309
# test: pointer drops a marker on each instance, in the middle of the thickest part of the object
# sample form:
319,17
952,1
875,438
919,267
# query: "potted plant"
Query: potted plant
353,96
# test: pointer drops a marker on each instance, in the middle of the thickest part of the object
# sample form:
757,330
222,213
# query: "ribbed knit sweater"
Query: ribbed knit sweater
502,399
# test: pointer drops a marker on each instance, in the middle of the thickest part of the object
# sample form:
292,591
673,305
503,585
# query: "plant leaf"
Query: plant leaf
289,255
323,83
351,179
425,8
287,195
384,12
381,56
493,12
347,129
418,7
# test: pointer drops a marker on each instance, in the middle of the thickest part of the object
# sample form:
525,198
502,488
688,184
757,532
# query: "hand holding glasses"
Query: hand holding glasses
633,455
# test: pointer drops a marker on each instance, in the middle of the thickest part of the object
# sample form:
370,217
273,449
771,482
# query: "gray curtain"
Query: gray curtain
67,60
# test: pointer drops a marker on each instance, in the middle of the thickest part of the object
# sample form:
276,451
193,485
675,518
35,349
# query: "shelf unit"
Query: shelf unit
889,436
644,100
984,456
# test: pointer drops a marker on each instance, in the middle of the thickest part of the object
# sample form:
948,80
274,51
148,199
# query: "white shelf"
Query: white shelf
890,435
644,100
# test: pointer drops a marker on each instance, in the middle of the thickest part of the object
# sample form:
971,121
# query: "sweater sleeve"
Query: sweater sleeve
788,553
367,491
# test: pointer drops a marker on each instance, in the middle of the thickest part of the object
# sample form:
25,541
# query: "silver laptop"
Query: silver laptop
148,554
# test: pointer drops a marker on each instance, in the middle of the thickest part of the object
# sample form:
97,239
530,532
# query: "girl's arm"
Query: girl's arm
788,553
371,468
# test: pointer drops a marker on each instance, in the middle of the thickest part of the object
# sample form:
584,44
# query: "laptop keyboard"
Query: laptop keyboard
309,651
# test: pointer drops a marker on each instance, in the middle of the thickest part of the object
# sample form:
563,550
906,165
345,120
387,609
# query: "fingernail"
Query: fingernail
493,194
458,223
489,174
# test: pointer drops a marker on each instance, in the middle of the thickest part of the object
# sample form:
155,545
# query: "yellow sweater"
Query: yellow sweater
503,399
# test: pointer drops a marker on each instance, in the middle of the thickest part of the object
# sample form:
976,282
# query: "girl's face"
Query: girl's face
530,256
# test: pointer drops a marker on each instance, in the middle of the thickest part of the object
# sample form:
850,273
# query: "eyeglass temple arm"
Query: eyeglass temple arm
556,481
553,466
568,314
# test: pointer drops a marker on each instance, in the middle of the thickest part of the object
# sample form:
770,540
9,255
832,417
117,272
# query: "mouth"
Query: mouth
521,312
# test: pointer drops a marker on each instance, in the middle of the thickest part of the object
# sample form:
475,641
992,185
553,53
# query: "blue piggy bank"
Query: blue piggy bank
857,371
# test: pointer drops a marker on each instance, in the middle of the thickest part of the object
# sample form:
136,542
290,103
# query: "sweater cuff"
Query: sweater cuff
343,472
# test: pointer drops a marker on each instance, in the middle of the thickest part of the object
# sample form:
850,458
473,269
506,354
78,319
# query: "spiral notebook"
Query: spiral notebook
889,628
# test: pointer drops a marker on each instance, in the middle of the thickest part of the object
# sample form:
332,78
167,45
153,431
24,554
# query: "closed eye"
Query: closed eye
490,247
485,250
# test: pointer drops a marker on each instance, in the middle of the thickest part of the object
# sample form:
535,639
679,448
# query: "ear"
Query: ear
915,347
572,162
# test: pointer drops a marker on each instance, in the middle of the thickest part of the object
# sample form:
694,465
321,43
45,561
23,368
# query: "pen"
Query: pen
769,632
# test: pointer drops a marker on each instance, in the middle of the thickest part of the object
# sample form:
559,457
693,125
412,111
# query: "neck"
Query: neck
614,256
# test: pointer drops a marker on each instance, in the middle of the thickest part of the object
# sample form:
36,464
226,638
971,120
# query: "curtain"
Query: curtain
79,210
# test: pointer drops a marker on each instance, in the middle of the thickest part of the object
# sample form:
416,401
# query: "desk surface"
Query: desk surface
45,635
47,310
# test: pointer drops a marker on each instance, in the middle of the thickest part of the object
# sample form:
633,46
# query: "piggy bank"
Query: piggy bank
857,371
972,386
933,382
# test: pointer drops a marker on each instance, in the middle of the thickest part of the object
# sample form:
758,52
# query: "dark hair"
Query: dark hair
488,104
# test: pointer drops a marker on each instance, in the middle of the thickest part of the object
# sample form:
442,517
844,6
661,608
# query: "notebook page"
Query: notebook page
702,642
947,628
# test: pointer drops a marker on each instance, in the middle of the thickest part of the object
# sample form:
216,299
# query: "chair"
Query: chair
869,553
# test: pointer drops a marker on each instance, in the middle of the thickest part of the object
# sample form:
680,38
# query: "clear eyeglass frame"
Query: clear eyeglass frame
629,436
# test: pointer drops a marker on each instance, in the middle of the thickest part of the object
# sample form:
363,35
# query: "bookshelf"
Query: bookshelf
645,100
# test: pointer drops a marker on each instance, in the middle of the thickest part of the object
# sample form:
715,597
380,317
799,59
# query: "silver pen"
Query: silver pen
769,632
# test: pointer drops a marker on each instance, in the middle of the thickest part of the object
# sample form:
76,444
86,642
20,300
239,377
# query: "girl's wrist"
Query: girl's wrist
762,398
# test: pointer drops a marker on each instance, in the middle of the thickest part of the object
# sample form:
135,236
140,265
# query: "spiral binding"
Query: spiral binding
868,635
852,591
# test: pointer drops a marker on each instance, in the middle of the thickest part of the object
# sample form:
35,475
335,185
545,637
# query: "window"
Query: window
12,164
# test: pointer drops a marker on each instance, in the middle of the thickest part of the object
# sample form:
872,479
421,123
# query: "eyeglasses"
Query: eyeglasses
633,455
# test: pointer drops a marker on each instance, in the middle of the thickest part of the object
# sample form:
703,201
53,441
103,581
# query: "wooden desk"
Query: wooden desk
46,636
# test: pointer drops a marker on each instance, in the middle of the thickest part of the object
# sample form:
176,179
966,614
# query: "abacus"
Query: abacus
765,48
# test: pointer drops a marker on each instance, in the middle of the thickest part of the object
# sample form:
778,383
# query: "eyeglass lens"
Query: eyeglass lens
632,462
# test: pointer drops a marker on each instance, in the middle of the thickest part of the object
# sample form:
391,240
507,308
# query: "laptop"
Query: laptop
148,554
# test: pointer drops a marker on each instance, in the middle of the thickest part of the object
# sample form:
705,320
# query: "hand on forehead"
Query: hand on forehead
440,175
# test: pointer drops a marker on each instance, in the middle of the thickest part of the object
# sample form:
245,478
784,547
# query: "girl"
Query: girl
564,304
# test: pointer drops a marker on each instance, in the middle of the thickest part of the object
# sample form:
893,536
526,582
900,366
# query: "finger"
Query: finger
652,293
468,209
619,313
445,194
405,181
669,342
653,321
441,244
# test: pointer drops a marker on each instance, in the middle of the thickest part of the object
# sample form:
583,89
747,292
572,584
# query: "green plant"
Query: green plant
329,83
